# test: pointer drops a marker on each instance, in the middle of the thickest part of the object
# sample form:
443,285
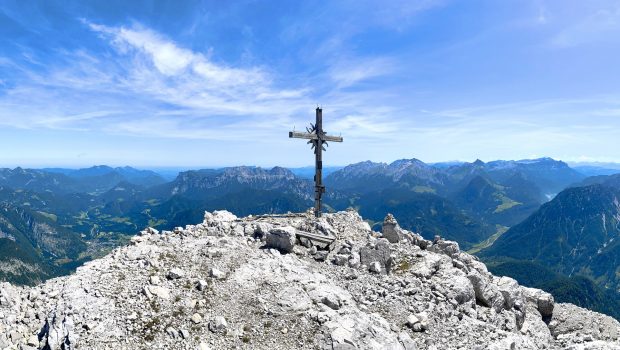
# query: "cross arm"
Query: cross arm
332,138
302,135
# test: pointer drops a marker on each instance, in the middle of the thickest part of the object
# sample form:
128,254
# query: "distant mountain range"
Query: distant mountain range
467,202
594,169
513,213
95,180
102,178
307,172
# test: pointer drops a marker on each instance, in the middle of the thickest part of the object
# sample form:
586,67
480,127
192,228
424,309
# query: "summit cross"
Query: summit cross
317,138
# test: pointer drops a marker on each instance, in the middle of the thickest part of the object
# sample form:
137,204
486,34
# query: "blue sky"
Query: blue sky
217,83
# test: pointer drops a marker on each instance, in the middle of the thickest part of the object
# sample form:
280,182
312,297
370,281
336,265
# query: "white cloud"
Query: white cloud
150,82
172,60
152,86
350,71
190,71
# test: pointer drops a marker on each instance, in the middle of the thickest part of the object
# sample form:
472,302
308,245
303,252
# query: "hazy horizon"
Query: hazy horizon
268,166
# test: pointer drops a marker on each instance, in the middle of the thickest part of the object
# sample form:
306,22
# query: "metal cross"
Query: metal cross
317,138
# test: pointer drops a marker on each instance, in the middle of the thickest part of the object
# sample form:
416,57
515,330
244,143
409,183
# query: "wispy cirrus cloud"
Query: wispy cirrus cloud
149,74
152,86
346,72
600,25
161,69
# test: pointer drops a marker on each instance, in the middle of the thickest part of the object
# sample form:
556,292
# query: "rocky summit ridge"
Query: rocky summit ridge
292,282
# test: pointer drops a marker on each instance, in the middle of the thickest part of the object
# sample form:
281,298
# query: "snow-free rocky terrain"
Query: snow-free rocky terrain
255,283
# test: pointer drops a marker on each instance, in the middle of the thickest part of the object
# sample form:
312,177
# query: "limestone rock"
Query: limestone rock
219,216
281,238
487,293
160,292
542,300
375,267
175,274
375,295
155,280
390,229
380,253
448,248
511,291
216,273
202,285
568,319
196,318
218,324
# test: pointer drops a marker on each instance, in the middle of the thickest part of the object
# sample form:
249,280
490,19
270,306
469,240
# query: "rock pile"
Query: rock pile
260,283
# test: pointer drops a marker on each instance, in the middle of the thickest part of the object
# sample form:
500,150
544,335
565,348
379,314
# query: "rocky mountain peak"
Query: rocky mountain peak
277,170
291,282
361,167
404,163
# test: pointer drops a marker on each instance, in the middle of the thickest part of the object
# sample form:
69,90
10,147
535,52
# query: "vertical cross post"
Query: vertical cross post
317,137
319,189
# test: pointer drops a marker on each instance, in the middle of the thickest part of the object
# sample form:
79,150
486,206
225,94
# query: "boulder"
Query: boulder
155,280
457,286
512,292
412,320
542,300
262,229
202,285
418,240
218,325
448,248
341,259
406,341
487,293
216,273
57,331
196,318
380,253
175,274
184,333
375,267
173,333
152,231
160,292
418,322
219,216
569,319
281,238
321,255
332,301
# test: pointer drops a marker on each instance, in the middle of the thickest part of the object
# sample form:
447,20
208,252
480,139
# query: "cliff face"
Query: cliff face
289,282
